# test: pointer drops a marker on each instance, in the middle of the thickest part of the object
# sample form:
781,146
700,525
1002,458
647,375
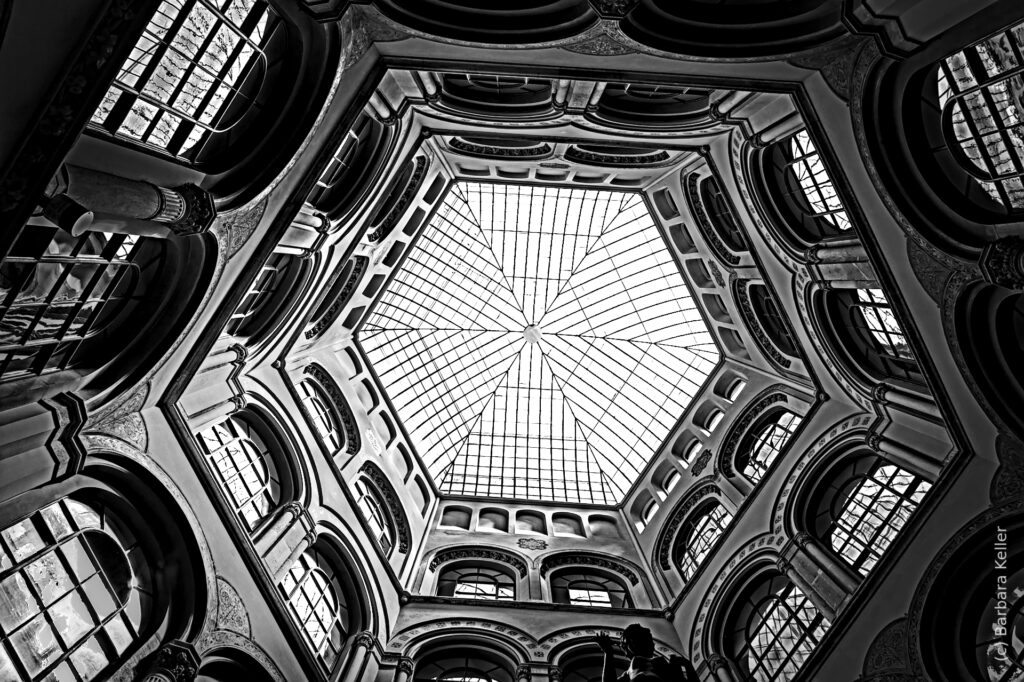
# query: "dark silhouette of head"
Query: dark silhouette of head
637,640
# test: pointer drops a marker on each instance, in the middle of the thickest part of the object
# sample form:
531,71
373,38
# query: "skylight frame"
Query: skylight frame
671,266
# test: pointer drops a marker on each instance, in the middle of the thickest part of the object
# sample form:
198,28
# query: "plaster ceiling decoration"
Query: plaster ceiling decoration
539,342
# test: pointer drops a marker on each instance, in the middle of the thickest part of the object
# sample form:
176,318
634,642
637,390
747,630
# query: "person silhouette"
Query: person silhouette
645,664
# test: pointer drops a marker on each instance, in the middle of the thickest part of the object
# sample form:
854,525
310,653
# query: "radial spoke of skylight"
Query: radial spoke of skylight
539,342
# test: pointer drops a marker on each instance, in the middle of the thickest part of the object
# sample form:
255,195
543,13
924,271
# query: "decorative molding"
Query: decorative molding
700,463
888,652
1008,482
532,544
1002,262
586,559
663,547
716,272
123,420
176,661
383,485
363,27
235,228
359,266
757,407
228,639
574,153
199,211
704,224
931,273
470,149
406,665
613,9
459,553
66,443
231,612
764,341
835,60
353,440
366,640
601,44
412,185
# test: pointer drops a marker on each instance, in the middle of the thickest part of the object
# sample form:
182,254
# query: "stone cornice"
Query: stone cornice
488,553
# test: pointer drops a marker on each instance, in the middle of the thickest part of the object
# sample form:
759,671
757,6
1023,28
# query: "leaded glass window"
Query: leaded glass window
698,536
317,604
245,468
58,291
869,508
189,75
579,587
473,581
259,293
376,515
981,94
768,442
464,663
806,167
881,325
319,408
775,629
75,593
720,213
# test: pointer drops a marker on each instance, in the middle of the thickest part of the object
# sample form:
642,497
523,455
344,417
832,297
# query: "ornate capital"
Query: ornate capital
1002,262
803,538
523,673
875,442
176,661
783,566
613,9
197,212
405,665
365,639
555,674
879,392
716,662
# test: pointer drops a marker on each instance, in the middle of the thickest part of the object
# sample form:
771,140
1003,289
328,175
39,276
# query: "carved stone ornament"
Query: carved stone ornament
613,9
707,229
176,661
359,265
601,44
366,640
353,440
716,272
758,406
384,227
523,673
406,665
1008,482
764,341
124,421
888,651
1002,262
664,547
199,211
387,492
532,544
470,149
931,273
700,463
575,559
835,60
231,613
651,158
457,554
235,228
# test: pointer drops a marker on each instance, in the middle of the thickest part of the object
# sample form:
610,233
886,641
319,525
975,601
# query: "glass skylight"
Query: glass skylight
539,342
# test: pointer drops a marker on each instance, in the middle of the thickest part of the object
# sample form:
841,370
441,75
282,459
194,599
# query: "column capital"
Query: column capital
879,392
555,674
197,213
176,661
1002,262
716,662
365,639
405,665
523,673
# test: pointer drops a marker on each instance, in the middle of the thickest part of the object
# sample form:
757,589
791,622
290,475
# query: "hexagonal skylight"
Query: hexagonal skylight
538,342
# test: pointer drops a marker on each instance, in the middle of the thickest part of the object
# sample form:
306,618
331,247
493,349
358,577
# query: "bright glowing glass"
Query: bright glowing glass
539,342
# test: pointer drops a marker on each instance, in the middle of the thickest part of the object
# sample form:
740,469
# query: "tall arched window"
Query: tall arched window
354,162
864,508
373,509
877,320
867,330
773,629
982,105
267,294
195,73
465,662
765,443
318,604
493,94
698,536
63,298
589,587
772,321
241,456
647,104
477,581
720,212
76,593
320,409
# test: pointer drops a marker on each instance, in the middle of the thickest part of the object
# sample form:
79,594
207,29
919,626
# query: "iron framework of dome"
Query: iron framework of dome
539,342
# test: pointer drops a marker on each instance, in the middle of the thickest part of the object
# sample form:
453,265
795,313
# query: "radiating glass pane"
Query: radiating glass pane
36,644
16,602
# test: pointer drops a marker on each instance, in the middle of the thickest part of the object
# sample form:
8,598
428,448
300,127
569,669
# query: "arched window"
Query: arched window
979,97
649,104
321,412
773,629
649,511
734,389
864,508
267,293
318,605
465,662
354,162
866,329
76,593
772,321
477,581
713,420
698,536
241,456
71,302
765,443
195,73
586,663
493,94
589,587
721,215
799,187
375,512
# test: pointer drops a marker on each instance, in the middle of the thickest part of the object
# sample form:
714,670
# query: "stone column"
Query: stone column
721,108
833,284
176,661
836,569
290,534
778,130
404,669
884,393
837,252
905,458
82,199
306,233
793,573
720,668
361,646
